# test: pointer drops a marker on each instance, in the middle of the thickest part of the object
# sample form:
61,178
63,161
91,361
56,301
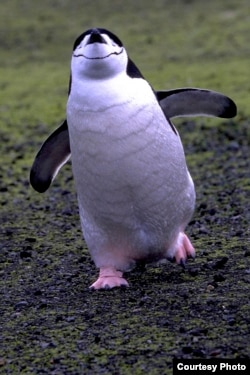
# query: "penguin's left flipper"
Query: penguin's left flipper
195,102
54,153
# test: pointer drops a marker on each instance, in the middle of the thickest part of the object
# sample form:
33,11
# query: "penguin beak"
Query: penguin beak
95,37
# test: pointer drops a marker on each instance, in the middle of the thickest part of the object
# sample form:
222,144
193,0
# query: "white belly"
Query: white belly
134,191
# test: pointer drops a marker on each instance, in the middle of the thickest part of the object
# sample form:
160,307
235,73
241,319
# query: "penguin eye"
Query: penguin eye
80,45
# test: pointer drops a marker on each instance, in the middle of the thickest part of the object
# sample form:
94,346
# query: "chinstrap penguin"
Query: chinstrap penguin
135,193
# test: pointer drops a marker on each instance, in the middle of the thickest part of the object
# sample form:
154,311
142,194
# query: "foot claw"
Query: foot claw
184,250
183,263
109,278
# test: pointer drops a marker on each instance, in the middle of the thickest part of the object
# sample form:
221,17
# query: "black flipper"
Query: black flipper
54,153
195,102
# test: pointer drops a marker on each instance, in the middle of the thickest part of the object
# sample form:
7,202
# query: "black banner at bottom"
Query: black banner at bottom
211,366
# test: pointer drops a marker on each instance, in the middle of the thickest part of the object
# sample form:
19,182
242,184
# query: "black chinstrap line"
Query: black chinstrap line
99,58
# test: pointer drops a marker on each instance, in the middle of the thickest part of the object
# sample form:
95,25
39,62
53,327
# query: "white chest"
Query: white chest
123,149
115,117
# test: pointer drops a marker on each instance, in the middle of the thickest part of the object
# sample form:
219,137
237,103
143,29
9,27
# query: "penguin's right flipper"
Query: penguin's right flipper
189,101
54,153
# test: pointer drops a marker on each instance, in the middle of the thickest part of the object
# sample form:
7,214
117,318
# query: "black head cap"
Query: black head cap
96,37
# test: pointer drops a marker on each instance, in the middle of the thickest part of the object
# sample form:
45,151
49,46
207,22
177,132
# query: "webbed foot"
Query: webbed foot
184,249
109,278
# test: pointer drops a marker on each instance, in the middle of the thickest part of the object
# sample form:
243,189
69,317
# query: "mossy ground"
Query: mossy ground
49,320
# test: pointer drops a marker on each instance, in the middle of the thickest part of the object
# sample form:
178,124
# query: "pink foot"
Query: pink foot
184,249
109,278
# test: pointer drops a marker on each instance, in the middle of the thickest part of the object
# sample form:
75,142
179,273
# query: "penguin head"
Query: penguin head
98,54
